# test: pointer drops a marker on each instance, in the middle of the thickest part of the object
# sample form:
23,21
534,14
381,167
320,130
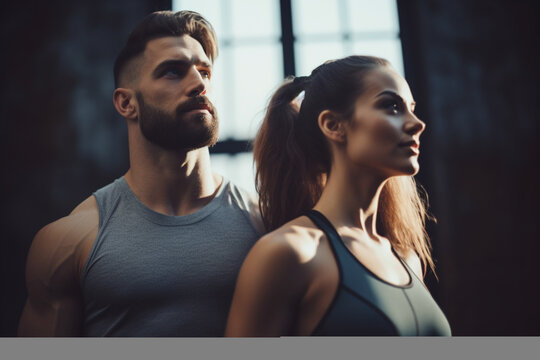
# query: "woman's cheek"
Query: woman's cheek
385,133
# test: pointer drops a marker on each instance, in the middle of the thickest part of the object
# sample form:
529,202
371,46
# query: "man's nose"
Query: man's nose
197,85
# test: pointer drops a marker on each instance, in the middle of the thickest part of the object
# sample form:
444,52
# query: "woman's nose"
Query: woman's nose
414,126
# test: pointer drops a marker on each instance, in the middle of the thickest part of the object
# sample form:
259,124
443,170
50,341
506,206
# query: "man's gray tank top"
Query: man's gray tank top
150,274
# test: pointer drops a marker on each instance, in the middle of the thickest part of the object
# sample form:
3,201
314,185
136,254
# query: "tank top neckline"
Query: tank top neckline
335,240
169,220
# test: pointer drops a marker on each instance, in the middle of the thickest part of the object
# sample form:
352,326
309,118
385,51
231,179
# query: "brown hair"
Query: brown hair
293,159
166,23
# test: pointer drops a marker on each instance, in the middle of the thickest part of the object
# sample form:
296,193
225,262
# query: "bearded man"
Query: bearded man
156,252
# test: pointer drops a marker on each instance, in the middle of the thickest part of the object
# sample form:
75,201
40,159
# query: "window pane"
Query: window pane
244,75
237,168
315,17
389,49
218,92
256,71
255,19
309,55
370,15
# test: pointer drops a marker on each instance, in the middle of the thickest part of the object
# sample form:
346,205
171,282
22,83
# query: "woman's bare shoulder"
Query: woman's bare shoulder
284,253
298,238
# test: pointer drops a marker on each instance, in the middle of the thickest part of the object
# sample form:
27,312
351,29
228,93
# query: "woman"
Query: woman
347,244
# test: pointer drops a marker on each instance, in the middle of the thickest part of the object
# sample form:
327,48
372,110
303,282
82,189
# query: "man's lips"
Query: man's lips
194,105
200,107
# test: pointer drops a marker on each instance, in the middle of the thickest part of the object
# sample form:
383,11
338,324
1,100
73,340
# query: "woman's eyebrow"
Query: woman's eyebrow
395,95
389,92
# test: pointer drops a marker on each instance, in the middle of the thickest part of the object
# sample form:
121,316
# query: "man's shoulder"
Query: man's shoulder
245,201
241,196
59,249
71,227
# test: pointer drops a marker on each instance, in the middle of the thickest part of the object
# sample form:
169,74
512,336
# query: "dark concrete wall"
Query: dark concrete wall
60,135
472,66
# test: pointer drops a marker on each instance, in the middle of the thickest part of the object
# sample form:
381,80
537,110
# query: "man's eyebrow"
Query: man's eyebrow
205,64
178,63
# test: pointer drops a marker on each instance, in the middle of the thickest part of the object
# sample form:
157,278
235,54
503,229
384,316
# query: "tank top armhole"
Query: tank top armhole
103,216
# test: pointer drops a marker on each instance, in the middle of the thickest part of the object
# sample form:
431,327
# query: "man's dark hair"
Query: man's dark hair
162,24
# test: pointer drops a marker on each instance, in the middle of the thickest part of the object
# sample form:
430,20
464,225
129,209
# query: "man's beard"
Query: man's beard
179,131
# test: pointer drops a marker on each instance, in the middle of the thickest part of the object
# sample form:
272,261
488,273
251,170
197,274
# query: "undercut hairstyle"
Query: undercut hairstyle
162,24
293,159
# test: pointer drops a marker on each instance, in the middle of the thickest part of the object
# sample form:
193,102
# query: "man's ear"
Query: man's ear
125,103
332,126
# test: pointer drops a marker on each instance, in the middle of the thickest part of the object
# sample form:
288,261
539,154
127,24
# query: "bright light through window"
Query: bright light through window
338,28
250,65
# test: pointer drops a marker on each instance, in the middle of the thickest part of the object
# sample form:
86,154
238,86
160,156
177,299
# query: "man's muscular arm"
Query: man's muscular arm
55,260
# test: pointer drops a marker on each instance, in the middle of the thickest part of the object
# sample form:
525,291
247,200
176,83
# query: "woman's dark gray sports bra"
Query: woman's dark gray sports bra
365,305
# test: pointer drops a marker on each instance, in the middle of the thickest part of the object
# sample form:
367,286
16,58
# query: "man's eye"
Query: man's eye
205,74
171,73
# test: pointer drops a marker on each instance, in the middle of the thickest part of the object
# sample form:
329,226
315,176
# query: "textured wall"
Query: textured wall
473,70
60,135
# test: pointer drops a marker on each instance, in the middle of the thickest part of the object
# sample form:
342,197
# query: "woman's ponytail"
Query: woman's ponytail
282,179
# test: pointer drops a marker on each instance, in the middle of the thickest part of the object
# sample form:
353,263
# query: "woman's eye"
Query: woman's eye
393,107
205,74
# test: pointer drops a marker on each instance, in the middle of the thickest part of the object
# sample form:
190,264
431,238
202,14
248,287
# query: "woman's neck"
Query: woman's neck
351,198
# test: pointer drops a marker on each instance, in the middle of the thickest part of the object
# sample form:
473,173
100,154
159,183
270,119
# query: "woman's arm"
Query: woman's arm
269,287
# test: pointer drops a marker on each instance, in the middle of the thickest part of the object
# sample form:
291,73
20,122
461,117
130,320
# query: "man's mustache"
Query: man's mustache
197,102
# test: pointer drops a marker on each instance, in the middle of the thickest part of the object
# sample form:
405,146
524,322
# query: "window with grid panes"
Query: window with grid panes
250,65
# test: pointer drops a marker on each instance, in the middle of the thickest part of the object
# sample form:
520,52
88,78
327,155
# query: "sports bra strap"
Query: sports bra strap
325,225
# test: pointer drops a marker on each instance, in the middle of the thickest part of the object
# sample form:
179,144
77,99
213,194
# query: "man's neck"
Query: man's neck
173,183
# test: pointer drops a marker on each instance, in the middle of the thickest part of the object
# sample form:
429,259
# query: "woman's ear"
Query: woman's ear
332,126
125,103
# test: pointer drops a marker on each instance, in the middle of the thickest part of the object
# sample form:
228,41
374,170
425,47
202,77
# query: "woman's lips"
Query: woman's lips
412,146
